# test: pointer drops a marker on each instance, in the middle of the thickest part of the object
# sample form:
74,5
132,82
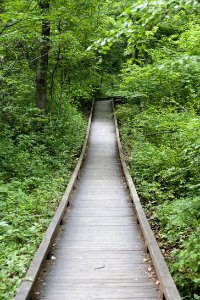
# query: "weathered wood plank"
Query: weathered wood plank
100,253
28,284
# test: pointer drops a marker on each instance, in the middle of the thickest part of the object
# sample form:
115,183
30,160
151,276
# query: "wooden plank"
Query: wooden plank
100,253
26,288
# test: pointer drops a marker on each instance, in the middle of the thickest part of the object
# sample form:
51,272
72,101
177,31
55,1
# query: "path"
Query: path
100,252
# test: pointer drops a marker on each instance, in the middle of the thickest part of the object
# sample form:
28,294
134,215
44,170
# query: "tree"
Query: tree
41,100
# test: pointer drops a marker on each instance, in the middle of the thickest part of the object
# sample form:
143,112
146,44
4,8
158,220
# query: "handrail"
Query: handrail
168,289
28,284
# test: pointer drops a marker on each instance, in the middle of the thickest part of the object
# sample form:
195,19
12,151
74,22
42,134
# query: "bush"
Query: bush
179,223
162,149
38,154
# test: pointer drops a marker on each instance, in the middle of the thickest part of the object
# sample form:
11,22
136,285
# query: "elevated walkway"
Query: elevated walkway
100,252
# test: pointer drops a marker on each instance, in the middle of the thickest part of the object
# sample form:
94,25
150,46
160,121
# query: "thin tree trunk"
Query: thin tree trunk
61,91
54,70
136,55
98,13
52,80
62,84
41,80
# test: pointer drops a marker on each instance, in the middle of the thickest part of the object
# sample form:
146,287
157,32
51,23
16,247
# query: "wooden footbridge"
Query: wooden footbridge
99,244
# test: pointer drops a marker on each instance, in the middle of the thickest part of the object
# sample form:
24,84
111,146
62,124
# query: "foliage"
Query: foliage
162,146
165,152
44,63
160,125
74,51
72,71
37,155
179,221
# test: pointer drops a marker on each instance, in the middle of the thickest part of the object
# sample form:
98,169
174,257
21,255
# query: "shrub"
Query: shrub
37,154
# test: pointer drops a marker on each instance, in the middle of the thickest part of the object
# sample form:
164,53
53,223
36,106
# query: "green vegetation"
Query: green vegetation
48,79
55,57
38,155
160,129
162,147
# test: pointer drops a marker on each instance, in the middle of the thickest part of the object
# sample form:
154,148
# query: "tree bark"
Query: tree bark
41,80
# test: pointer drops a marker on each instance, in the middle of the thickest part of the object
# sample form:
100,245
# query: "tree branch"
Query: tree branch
18,21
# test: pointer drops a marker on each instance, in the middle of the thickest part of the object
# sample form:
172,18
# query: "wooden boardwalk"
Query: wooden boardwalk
99,253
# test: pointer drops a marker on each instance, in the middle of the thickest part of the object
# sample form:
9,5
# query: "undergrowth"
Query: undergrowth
38,154
162,148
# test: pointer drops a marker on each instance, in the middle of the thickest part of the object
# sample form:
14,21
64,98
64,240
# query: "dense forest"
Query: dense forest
55,57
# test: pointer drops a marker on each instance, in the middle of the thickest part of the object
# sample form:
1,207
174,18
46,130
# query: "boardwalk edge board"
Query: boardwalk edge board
168,289
26,289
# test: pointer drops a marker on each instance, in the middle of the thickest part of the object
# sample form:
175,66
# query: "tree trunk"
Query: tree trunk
136,54
52,80
41,80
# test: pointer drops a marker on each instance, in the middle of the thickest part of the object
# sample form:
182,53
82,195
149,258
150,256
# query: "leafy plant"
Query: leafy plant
37,153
